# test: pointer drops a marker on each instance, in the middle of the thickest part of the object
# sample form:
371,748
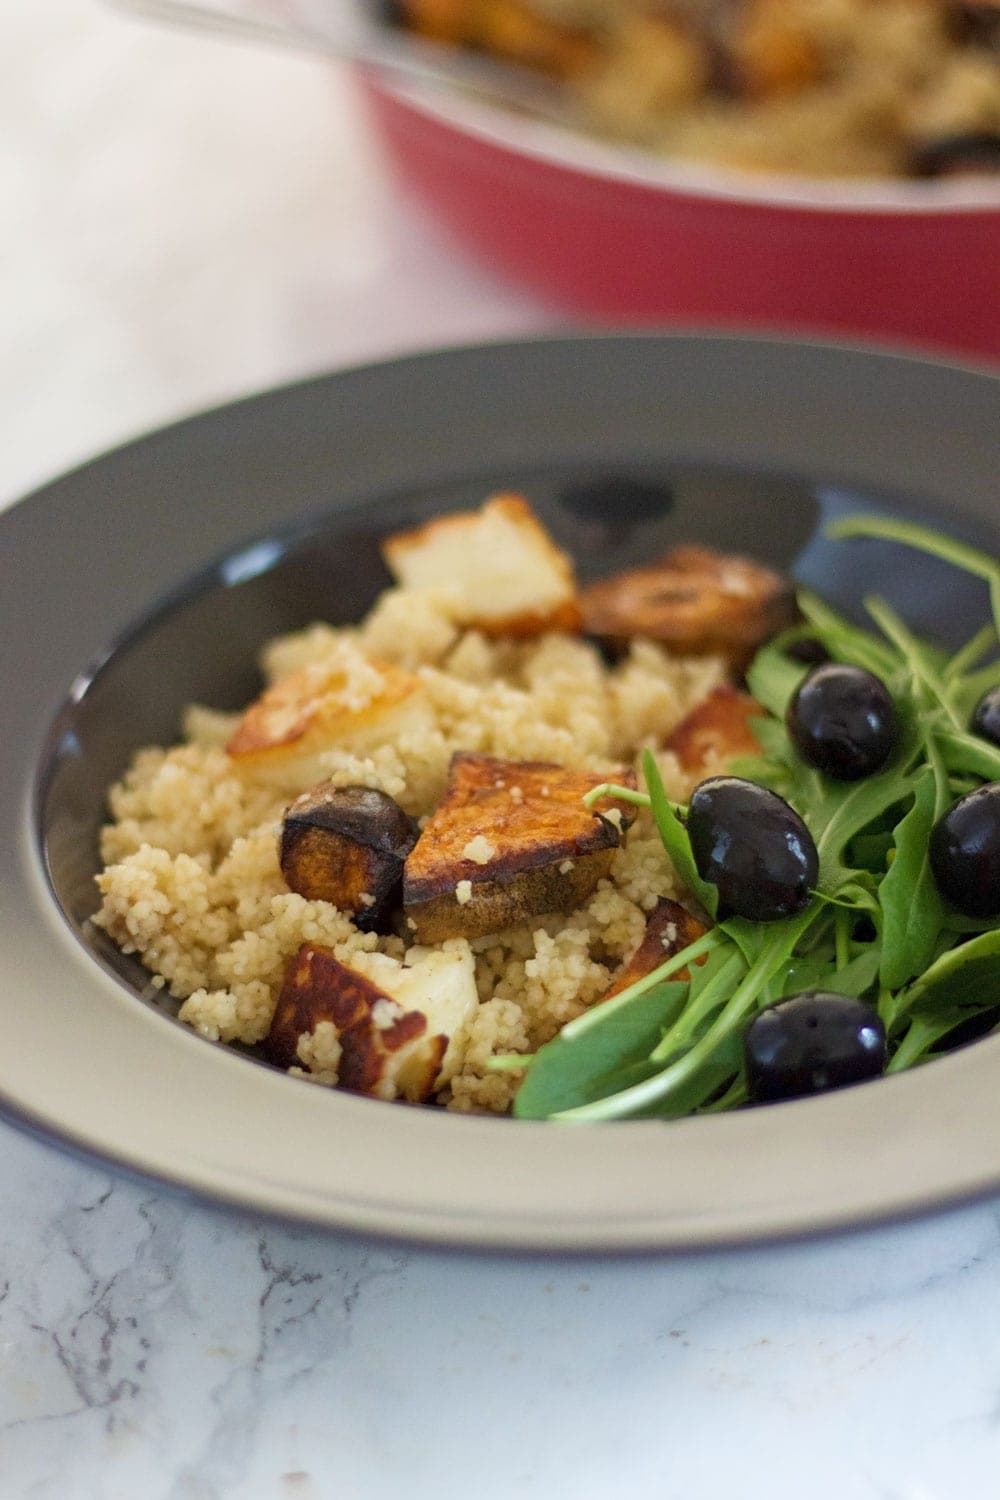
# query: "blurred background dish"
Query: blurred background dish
625,233
611,233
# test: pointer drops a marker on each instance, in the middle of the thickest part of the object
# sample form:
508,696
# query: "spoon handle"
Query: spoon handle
359,32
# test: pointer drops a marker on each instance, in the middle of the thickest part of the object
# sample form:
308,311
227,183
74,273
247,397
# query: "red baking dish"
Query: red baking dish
623,238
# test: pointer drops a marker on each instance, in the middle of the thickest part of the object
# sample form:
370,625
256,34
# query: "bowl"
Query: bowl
622,237
180,554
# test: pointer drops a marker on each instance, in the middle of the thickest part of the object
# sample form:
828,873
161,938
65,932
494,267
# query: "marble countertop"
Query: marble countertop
185,221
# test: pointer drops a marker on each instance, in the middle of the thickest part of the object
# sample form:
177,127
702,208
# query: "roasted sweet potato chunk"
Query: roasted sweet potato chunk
716,731
346,845
696,601
510,840
406,1044
669,928
499,568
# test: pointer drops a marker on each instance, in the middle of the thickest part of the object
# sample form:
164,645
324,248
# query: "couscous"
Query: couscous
425,768
832,88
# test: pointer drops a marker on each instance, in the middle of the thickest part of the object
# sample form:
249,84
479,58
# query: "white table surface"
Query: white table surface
184,221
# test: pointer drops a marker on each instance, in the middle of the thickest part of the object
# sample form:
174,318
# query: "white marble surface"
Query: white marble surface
184,221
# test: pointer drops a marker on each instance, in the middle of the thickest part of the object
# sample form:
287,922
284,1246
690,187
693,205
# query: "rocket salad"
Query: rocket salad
886,926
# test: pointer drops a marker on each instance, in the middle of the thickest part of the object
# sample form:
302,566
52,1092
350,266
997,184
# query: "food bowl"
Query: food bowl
623,237
183,552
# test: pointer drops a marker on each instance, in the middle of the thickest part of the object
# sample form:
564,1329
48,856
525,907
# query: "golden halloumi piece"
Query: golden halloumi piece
346,845
694,600
352,704
669,928
498,568
716,731
510,840
401,1045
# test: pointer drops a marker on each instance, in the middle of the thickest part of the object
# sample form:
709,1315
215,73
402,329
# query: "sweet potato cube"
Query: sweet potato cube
696,601
346,845
509,841
716,731
669,928
498,567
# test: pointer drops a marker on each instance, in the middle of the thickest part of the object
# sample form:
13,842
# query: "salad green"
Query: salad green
876,926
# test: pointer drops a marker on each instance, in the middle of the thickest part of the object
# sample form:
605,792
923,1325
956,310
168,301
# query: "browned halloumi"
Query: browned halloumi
346,845
669,928
716,731
404,1045
498,568
354,705
694,600
510,840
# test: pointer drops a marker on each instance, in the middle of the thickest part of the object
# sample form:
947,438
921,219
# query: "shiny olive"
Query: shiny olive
965,852
753,847
986,719
810,1042
842,720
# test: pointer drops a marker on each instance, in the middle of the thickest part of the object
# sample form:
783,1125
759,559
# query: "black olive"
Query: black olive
948,155
810,1042
808,650
753,847
965,852
986,719
842,720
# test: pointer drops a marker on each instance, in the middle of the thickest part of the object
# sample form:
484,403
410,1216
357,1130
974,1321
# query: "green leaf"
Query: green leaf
675,837
913,912
967,752
965,979
773,677
924,539
574,1070
844,641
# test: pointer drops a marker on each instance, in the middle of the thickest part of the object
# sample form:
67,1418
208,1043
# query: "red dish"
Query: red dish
622,238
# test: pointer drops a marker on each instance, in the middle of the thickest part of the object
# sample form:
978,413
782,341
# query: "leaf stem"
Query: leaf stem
923,539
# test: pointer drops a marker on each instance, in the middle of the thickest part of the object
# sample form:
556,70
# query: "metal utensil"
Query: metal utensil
361,32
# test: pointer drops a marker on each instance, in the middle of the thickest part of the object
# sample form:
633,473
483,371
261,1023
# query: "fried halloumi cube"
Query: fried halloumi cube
716,731
510,840
348,703
669,928
498,568
694,600
401,1045
346,845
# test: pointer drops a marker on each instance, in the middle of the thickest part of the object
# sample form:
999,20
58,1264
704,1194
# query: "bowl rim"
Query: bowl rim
602,163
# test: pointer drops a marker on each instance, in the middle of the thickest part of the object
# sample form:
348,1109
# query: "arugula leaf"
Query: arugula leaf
675,837
965,979
912,910
574,1070
924,539
773,677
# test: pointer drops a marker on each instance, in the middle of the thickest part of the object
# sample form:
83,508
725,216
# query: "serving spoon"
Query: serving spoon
362,32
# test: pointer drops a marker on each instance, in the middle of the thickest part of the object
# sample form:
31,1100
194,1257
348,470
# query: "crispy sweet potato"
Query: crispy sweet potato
510,840
669,928
283,734
346,845
407,1044
697,601
717,730
505,28
501,571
